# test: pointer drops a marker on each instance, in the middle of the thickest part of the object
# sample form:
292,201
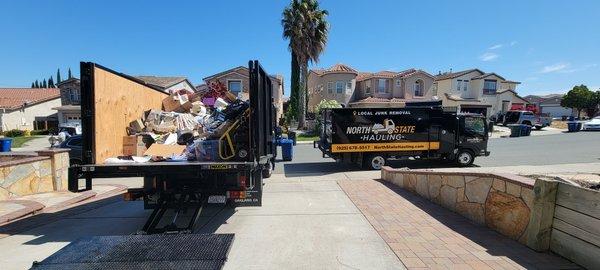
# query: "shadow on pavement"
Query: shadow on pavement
494,243
325,168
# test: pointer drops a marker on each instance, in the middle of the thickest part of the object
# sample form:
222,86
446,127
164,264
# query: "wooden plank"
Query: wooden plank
542,215
579,199
576,250
118,101
574,231
584,222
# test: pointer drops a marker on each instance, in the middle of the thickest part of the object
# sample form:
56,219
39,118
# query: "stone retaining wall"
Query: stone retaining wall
499,201
36,172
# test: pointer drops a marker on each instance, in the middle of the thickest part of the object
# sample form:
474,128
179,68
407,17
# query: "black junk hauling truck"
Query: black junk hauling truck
371,136
111,100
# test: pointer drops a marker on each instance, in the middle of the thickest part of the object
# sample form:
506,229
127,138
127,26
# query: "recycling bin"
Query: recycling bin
525,130
5,144
292,136
287,149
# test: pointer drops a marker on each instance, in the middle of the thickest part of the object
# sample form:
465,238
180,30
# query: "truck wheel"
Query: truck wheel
374,162
268,170
464,158
539,127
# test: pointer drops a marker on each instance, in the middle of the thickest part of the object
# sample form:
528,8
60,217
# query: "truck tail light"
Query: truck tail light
242,181
235,194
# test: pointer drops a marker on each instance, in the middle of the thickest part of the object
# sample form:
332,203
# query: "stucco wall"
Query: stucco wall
23,119
317,88
179,86
408,87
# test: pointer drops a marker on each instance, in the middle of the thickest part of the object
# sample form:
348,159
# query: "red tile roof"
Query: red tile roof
337,68
14,98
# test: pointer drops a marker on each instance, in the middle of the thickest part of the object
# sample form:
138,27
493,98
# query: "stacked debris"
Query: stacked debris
186,128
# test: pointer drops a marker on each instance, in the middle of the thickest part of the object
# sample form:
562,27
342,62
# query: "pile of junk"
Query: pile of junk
208,126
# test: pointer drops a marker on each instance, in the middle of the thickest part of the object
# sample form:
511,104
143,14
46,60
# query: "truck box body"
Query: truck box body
112,100
355,135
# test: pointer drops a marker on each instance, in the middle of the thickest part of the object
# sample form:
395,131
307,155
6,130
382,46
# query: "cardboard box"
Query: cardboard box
176,103
163,150
134,145
137,125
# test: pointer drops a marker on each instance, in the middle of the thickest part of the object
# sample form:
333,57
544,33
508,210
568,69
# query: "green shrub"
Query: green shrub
14,133
40,132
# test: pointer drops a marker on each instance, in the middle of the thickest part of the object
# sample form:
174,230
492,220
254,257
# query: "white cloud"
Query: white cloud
558,67
488,56
497,46
513,43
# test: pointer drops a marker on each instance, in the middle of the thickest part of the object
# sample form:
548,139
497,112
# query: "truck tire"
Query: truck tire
268,170
539,127
527,123
465,158
374,162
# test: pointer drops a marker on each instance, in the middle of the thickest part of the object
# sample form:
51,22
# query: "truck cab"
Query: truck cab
526,118
472,137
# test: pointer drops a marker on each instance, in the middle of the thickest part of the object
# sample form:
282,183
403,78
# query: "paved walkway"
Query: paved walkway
35,144
426,236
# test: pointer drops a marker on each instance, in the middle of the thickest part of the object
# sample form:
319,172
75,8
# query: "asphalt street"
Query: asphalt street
565,148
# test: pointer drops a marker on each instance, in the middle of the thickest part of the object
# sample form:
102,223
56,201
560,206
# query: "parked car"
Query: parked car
75,153
593,124
527,118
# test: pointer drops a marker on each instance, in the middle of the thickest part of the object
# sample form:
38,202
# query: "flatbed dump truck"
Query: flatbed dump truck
369,137
109,102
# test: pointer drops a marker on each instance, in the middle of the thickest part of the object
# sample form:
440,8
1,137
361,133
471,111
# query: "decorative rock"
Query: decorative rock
456,181
422,186
448,197
410,182
472,211
460,195
435,184
477,190
499,185
527,196
46,184
513,189
470,178
506,214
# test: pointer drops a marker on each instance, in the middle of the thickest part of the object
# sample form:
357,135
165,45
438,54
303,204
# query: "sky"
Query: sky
549,46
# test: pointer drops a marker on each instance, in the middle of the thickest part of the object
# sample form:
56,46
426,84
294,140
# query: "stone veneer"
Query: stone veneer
502,202
25,174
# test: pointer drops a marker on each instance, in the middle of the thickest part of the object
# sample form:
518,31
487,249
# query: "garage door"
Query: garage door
556,111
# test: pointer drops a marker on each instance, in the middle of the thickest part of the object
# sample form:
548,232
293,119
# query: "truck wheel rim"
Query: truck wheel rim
377,162
464,158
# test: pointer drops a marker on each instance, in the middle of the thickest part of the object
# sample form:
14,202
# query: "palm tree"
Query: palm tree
305,25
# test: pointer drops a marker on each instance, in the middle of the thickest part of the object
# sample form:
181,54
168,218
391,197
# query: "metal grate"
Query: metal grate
177,251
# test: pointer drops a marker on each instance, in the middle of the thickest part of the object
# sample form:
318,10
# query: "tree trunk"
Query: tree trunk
579,113
295,78
302,96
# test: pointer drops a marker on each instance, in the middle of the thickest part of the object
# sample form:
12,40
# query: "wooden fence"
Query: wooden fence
576,225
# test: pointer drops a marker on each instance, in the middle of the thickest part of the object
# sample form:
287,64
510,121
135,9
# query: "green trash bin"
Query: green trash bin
515,130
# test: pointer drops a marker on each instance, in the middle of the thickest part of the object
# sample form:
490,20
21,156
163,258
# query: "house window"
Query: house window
381,86
489,87
339,86
398,82
75,95
330,87
368,86
465,85
235,87
458,85
418,88
348,87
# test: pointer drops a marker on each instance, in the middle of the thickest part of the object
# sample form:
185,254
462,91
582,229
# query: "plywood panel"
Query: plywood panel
584,222
579,199
117,102
576,250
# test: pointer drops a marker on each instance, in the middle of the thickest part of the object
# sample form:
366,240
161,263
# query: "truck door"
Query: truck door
473,134
434,138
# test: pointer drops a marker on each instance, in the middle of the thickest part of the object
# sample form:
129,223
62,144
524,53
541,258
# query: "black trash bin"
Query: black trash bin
292,136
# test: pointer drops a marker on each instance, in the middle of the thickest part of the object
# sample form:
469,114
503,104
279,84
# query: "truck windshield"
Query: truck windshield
475,125
511,117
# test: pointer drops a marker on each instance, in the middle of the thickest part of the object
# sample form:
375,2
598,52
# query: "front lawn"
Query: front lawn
304,137
19,141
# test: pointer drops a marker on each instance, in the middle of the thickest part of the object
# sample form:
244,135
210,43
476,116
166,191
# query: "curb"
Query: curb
81,197
30,208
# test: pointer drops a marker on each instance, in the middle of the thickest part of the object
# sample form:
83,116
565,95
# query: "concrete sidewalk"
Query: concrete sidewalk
35,144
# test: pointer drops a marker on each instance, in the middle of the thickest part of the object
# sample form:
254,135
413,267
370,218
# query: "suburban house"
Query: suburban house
477,92
28,108
168,84
550,104
69,110
237,82
368,89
